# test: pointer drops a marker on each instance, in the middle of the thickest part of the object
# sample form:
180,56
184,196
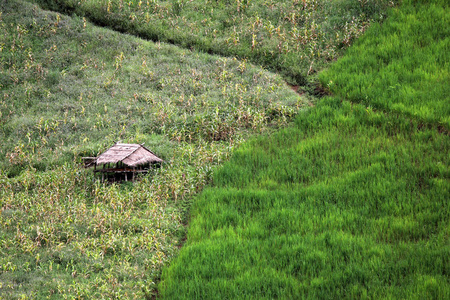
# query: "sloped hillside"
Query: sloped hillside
70,89
349,202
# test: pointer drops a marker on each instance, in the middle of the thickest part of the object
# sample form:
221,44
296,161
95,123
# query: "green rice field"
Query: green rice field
305,145
351,201
346,203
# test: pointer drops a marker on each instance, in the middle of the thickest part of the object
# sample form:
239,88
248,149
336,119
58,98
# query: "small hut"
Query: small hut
124,161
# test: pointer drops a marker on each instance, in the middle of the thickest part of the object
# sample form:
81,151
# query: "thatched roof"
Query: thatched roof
131,155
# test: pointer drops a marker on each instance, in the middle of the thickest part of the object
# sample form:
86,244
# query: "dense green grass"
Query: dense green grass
402,65
294,37
352,200
69,89
348,203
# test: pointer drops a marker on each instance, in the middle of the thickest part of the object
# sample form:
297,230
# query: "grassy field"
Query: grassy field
293,37
401,66
61,76
349,202
69,89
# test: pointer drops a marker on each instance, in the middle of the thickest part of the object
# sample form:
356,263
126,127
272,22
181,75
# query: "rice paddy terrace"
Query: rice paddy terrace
264,192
